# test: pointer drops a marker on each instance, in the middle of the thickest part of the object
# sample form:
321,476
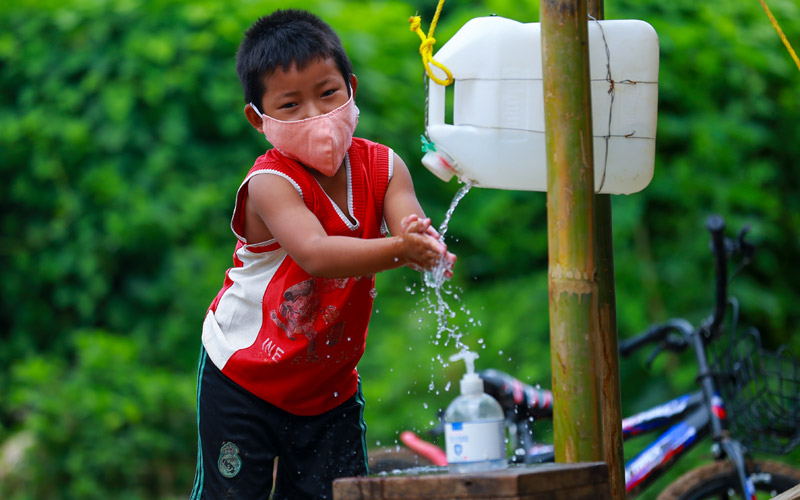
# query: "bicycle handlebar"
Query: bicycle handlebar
716,226
659,334
517,397
721,248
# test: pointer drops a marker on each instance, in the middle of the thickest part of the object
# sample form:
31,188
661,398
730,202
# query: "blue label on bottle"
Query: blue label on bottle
471,442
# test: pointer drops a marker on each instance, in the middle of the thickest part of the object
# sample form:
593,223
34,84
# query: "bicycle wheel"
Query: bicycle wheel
718,480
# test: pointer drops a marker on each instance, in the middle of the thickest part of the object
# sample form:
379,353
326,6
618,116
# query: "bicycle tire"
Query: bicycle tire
715,480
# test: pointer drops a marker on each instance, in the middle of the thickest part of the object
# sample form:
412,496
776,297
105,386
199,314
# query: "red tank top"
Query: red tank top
290,338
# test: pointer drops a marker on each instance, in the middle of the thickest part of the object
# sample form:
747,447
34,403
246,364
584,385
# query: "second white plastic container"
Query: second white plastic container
497,135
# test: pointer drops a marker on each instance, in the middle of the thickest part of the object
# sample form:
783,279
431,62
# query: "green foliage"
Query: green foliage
728,110
122,142
101,421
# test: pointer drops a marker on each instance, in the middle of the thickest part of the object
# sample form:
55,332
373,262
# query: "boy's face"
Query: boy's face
296,94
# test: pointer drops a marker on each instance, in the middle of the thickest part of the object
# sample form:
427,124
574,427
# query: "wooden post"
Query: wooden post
607,341
573,272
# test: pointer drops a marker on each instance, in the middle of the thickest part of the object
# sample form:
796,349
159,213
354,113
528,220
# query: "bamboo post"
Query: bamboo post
607,345
573,272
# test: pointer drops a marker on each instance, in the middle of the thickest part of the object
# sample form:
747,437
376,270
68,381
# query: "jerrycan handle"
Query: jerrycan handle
436,103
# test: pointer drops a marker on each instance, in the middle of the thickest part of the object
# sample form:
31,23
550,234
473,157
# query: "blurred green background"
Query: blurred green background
122,142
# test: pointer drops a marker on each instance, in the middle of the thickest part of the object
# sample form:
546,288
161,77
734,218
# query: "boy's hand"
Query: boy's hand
422,247
407,220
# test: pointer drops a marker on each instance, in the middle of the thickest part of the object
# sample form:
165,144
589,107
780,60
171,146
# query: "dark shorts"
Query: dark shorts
240,436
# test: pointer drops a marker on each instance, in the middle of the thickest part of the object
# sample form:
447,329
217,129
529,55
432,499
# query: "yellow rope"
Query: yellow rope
780,33
426,47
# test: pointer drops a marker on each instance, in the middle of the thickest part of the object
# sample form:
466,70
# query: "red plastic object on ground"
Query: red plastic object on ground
428,450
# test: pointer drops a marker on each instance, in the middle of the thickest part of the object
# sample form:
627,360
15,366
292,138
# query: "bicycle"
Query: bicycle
748,400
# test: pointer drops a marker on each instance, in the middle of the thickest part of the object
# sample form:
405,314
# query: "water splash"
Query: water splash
446,329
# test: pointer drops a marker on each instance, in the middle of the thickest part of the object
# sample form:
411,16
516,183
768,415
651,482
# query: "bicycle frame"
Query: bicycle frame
688,420
693,419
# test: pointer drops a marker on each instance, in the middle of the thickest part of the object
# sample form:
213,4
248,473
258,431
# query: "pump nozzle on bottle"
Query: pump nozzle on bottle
471,383
469,358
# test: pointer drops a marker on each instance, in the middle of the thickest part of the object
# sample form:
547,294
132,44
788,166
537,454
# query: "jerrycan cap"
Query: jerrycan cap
441,165
471,383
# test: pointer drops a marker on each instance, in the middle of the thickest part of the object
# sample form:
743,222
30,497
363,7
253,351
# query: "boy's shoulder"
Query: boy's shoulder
369,151
272,158
360,142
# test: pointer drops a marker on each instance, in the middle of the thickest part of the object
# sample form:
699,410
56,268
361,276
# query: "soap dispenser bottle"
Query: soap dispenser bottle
474,430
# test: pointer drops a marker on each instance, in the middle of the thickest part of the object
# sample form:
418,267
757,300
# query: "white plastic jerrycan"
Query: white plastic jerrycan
497,138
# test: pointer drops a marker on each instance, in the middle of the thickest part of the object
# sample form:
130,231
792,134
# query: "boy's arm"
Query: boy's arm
400,200
300,233
401,207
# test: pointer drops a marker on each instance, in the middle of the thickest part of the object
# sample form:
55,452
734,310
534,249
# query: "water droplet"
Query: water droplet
480,341
425,405
336,394
373,293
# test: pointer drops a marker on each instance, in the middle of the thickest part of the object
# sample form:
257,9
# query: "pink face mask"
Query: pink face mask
319,142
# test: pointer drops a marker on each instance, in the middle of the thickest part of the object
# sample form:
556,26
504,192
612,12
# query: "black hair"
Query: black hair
283,38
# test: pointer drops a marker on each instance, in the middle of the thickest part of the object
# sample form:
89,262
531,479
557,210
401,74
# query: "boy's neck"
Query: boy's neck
335,187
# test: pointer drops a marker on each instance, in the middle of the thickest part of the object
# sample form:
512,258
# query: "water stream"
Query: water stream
435,279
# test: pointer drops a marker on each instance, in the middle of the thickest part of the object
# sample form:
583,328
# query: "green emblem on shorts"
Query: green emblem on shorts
229,461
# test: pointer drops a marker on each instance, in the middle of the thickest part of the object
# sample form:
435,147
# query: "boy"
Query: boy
281,341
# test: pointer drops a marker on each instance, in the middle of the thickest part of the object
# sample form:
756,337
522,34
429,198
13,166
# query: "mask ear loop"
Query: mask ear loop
256,110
